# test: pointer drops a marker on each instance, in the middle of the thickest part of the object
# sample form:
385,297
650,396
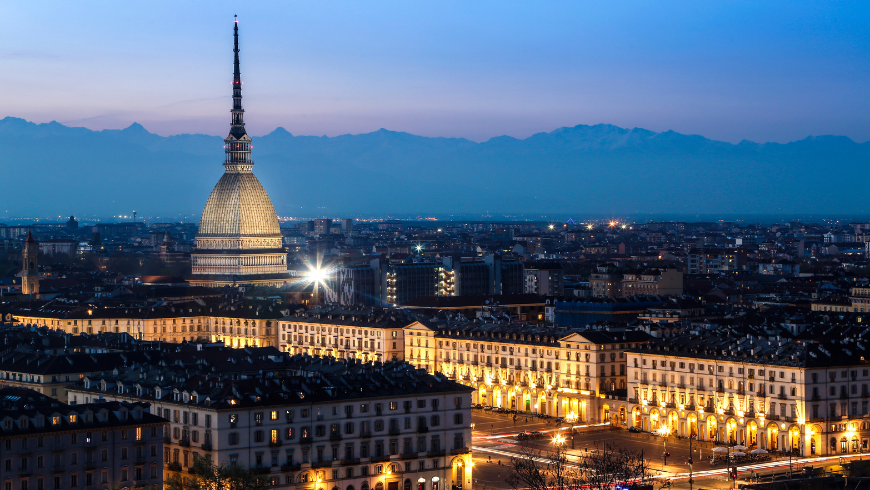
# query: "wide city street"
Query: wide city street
495,442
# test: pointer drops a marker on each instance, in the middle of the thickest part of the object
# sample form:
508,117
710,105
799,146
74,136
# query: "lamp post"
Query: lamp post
664,431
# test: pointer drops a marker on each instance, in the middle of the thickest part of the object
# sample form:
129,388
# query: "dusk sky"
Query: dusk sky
731,70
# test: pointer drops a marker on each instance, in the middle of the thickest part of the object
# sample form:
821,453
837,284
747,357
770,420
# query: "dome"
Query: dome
239,207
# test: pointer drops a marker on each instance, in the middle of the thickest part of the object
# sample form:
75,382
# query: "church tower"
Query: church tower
29,273
239,239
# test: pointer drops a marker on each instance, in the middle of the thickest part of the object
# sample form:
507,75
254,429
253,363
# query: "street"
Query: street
494,443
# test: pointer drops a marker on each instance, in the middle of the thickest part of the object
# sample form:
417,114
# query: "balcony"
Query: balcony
166,440
741,392
437,452
275,443
321,464
206,446
782,396
411,455
394,431
140,461
815,397
681,386
761,394
663,384
422,429
262,470
350,461
772,417
172,466
305,440
751,377
365,433
89,466
380,459
335,436
291,466
772,379
184,442
461,450
720,390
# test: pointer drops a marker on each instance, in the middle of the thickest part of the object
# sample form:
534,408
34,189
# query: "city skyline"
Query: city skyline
761,73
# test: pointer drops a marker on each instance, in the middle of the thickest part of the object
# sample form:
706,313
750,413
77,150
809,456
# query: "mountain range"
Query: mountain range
51,169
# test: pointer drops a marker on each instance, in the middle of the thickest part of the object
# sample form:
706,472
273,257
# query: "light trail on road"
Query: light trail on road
769,465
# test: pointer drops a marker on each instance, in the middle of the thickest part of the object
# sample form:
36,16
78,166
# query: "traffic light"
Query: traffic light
734,473
668,454
690,460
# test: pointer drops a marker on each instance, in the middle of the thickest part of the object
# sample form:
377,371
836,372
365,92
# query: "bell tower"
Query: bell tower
29,272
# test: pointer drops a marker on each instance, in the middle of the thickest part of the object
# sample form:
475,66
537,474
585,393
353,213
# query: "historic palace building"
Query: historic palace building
235,322
576,374
339,424
366,333
239,239
763,393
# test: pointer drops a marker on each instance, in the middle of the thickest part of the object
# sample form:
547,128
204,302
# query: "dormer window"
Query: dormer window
73,418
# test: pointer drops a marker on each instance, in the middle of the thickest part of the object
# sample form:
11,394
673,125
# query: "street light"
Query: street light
664,431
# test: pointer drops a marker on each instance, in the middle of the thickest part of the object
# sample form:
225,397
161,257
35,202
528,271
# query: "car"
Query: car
523,435
634,429
487,407
559,420
535,434
498,410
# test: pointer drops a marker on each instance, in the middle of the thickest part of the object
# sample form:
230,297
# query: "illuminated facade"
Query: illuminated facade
369,334
239,239
234,324
764,394
577,375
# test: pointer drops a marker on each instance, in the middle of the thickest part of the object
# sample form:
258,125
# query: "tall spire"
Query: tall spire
238,143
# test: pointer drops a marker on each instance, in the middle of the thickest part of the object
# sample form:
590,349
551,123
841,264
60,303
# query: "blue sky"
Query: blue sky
730,70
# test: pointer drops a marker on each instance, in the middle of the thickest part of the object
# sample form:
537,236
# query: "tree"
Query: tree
206,475
602,469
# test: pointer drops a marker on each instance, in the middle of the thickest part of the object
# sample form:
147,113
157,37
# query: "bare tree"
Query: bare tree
602,469
206,475
610,465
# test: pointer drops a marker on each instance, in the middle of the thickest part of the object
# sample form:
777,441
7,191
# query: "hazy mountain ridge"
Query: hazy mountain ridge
55,169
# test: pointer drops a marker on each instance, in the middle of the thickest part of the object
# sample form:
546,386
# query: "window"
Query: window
457,419
233,438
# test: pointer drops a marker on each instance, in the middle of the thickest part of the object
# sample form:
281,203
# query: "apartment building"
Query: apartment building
776,395
47,444
563,373
236,322
341,423
367,333
50,372
652,282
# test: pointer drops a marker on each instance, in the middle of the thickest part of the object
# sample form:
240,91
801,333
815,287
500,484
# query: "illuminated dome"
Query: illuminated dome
239,240
239,207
